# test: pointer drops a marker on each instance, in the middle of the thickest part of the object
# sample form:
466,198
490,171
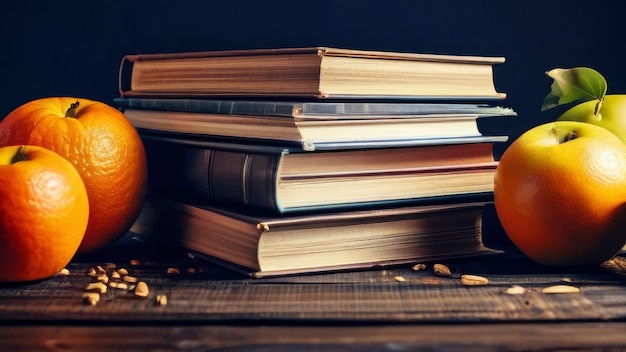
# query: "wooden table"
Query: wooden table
211,308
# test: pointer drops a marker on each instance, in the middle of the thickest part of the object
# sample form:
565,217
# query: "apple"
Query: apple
560,193
611,114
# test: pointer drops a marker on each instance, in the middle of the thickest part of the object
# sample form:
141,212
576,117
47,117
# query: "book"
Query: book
314,126
314,72
287,180
263,245
328,109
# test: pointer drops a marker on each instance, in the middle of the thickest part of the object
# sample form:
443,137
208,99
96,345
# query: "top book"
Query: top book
317,72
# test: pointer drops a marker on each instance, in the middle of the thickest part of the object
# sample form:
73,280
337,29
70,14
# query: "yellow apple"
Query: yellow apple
560,193
611,114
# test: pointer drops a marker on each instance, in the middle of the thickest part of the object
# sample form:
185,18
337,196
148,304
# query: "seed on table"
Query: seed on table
110,266
142,290
474,280
399,279
103,278
173,271
118,285
441,270
64,272
515,290
418,267
115,275
91,272
560,289
100,270
160,300
91,298
122,271
130,279
97,287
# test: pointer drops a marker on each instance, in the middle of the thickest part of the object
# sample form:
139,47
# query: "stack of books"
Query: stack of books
303,160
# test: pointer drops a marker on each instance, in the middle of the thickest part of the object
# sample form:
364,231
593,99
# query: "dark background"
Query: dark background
72,47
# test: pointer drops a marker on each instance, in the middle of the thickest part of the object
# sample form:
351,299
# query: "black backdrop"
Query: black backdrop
74,47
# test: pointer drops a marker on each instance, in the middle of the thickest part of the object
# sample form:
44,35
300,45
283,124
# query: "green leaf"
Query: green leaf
577,84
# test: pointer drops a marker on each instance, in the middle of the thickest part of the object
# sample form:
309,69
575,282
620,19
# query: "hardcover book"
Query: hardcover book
316,72
265,245
313,126
287,180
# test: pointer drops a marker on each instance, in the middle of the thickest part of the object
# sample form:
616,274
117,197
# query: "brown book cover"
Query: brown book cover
262,244
319,72
290,180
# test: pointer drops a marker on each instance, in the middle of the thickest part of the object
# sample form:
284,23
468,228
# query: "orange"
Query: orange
43,213
560,193
104,147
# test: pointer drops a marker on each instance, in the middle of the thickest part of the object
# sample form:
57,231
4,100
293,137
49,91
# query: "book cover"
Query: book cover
287,180
318,72
314,109
265,245
313,125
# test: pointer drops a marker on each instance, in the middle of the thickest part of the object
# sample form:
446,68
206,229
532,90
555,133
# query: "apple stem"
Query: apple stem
596,110
20,155
570,136
71,112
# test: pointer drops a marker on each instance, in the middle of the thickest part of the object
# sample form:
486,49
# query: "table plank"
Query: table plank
437,337
206,293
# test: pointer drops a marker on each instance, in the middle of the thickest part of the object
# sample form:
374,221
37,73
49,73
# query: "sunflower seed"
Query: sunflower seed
515,290
560,289
474,280
441,270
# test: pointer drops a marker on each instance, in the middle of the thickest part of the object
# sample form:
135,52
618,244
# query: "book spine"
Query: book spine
211,106
125,74
212,175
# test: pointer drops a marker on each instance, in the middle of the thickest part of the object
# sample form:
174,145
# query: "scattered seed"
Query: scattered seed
134,262
130,279
91,272
96,287
399,279
160,300
115,275
418,267
122,271
191,270
173,271
566,279
91,298
64,272
103,278
142,290
100,270
110,266
515,290
441,270
474,280
560,289
118,285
